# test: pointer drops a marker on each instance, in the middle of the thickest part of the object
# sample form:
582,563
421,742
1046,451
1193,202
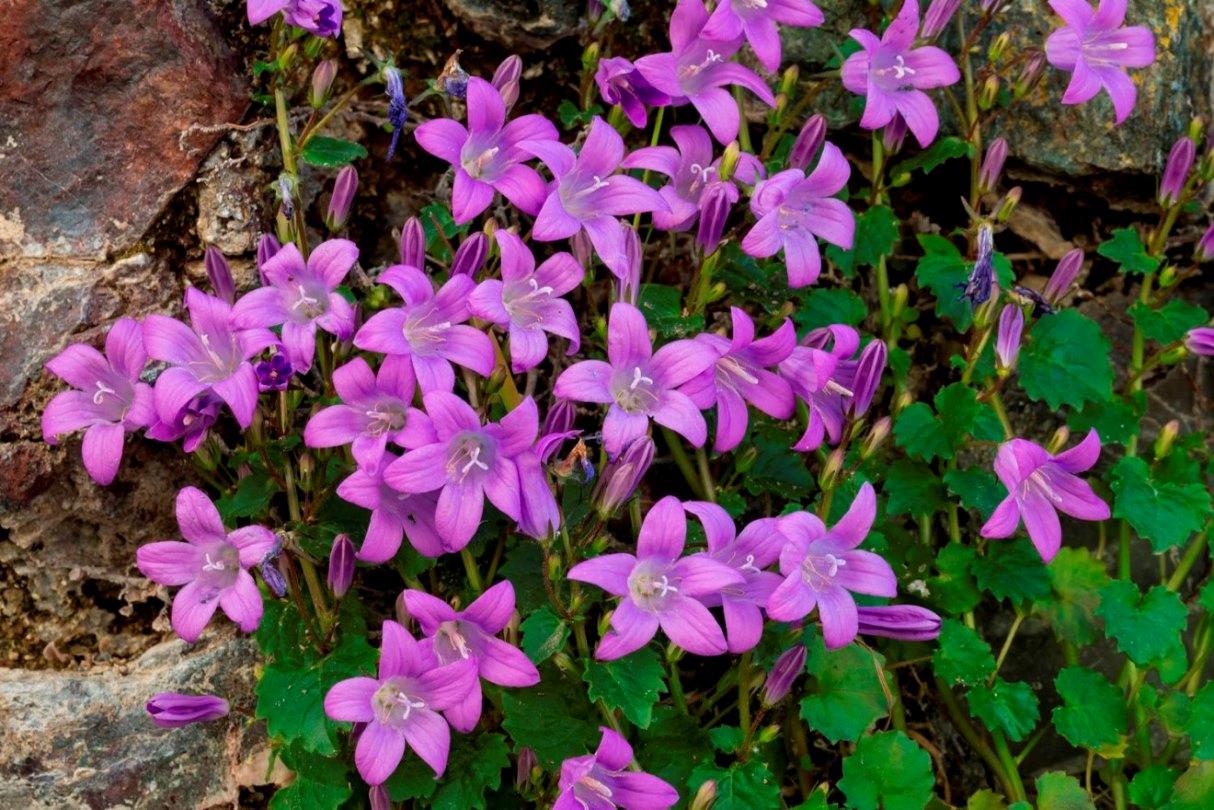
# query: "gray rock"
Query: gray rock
520,25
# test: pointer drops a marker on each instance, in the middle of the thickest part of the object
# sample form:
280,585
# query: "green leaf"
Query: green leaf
823,306
572,116
1066,362
412,779
876,235
888,772
953,589
672,746
281,636
1152,787
551,718
1007,705
912,488
727,739
1116,420
321,783
1201,722
920,434
943,149
1162,512
986,799
252,497
1076,579
291,700
1145,627
544,634
1170,322
631,684
524,567
741,786
962,657
1194,790
959,411
474,766
1057,791
663,310
1012,569
778,470
440,229
941,269
330,152
977,489
1094,715
845,697
1126,248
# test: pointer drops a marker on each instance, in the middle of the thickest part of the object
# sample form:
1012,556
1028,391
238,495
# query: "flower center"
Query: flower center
754,4
216,368
1038,481
730,368
393,705
466,458
650,588
817,571
595,787
1101,53
102,390
636,395
526,309
383,418
220,566
425,338
454,639
477,165
710,58
749,565
833,387
308,306
701,176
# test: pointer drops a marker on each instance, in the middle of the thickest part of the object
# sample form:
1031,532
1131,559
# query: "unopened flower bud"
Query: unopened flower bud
219,274
729,161
173,709
1167,435
788,80
322,83
989,93
876,437
1200,341
1176,172
901,297
1168,277
768,734
341,565
868,376
894,134
554,568
1205,246
344,189
937,17
307,466
784,673
1063,276
628,287
590,57
413,244
992,166
903,622
1058,440
506,79
621,477
470,255
904,399
527,762
454,79
809,142
380,800
1007,342
496,380
829,475
599,544
999,47
705,798
1009,203
1030,74
746,459
715,206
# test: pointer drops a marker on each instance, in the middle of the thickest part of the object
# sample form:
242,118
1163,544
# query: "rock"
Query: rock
520,25
231,194
84,740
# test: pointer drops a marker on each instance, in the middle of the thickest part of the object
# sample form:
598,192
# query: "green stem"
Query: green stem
1191,555
1007,644
710,490
743,125
653,141
680,458
971,735
474,574
997,403
744,692
1009,764
676,688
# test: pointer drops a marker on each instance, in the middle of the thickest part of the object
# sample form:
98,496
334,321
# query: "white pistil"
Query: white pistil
900,69
102,390
598,183
664,587
474,460
835,564
1038,477
213,566
638,378
596,786
749,565
305,301
536,289
402,699
834,388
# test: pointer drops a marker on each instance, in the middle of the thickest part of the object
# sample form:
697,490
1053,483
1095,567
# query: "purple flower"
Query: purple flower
740,375
659,587
638,383
697,69
470,635
273,374
1200,341
556,430
401,706
622,476
319,17
506,79
1205,246
715,204
341,565
470,462
903,622
211,356
867,377
1063,276
784,673
375,410
1007,342
601,781
1176,172
792,209
192,422
892,75
394,515
992,165
486,154
757,22
108,401
219,274
267,247
344,189
429,329
818,377
527,300
212,565
301,298
748,553
808,143
413,244
823,569
589,195
398,112
621,83
173,709
1095,48
691,170
978,286
1039,486
938,16
470,255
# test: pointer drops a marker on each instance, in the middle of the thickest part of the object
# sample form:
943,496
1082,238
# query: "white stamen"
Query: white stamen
102,390
749,565
712,56
835,564
595,785
598,183
474,460
213,566
1117,46
638,378
834,388
900,69
536,289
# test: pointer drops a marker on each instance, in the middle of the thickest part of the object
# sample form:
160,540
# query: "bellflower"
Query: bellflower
344,189
401,707
301,298
173,709
486,155
793,209
892,75
937,17
784,673
992,165
638,383
740,376
697,69
1096,49
394,515
823,569
212,355
429,329
375,410
107,399
601,781
660,588
813,371
1200,341
757,22
903,622
622,476
319,17
212,565
471,635
1039,486
691,170
589,195
470,462
1007,342
506,79
273,374
191,423
621,83
1063,277
527,300
398,112
748,553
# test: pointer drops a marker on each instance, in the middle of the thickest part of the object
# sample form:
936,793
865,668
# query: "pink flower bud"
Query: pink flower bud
413,244
1007,342
506,79
992,165
344,190
322,83
582,250
784,673
903,622
380,799
894,134
809,143
868,376
621,477
1063,276
219,274
630,282
470,255
715,206
1176,172
1201,341
938,15
172,709
526,762
341,565
267,248
1205,246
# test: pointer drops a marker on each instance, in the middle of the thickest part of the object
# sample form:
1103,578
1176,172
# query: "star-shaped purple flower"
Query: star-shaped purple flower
601,781
823,569
692,173
638,383
401,706
892,75
486,156
793,209
107,399
394,515
660,588
212,565
1096,49
301,298
588,194
756,20
621,83
471,635
819,377
1039,486
527,300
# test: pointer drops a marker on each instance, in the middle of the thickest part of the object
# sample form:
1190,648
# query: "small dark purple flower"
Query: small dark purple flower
271,576
977,288
397,110
903,622
784,673
454,79
621,83
556,430
219,274
344,190
173,709
1040,305
1176,172
274,374
341,565
191,423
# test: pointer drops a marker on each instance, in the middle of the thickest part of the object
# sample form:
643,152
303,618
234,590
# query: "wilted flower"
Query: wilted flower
981,282
903,622
398,112
601,781
173,709
454,79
